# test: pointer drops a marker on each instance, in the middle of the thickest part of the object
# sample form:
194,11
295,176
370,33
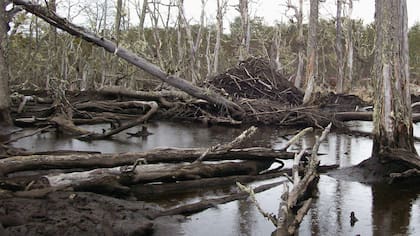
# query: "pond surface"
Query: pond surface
381,209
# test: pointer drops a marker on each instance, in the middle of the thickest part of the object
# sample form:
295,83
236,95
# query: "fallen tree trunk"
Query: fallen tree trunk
91,161
364,116
140,120
150,95
119,177
130,57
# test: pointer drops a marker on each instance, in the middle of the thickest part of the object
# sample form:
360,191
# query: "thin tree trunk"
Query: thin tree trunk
221,4
300,39
349,41
311,69
246,30
143,15
393,128
52,40
193,57
275,50
4,70
118,21
339,49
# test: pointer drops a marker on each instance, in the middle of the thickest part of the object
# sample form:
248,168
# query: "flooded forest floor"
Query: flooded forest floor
123,162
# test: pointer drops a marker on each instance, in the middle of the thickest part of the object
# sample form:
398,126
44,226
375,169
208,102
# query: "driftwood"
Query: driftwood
119,177
91,161
130,57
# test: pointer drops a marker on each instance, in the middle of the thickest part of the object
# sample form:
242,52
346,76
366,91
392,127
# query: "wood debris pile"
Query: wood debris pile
254,78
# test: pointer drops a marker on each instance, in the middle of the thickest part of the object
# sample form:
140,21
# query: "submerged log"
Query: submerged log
190,209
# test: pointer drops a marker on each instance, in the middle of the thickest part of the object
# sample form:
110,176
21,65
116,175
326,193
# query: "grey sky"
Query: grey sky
274,10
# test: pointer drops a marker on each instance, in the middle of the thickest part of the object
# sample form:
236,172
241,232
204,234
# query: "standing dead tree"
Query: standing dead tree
221,10
312,64
59,22
299,17
246,29
393,129
339,48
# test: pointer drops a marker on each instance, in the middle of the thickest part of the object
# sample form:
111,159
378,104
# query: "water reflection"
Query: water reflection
392,206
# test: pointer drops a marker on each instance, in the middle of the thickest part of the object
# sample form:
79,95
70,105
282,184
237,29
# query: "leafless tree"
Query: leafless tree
339,47
393,128
298,14
349,43
246,29
312,65
221,10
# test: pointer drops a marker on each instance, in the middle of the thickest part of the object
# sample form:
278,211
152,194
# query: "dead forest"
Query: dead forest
63,76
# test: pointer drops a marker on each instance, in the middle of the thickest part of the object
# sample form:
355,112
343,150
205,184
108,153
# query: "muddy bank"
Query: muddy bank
75,213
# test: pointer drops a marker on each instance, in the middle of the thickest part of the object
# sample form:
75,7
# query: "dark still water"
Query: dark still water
380,209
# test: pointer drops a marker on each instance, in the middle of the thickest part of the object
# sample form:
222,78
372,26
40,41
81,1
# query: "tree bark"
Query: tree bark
5,117
235,110
312,64
393,128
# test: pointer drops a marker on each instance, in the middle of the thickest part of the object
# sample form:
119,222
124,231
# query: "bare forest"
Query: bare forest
133,118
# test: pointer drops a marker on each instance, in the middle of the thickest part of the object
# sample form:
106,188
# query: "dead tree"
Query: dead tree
392,125
393,129
349,43
299,17
221,8
246,30
62,23
312,64
339,48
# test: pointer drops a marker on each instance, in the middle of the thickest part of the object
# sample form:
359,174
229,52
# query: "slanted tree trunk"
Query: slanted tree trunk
312,65
339,49
4,70
393,128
